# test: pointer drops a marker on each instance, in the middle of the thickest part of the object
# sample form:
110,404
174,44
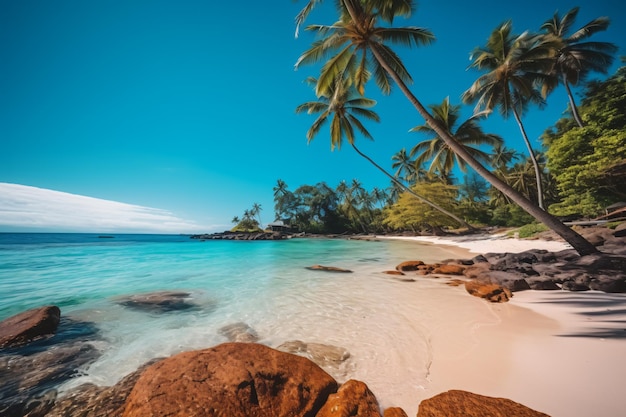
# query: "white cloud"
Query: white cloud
25,207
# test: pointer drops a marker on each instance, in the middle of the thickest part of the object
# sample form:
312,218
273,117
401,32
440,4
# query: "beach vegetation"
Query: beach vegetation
357,47
247,223
411,214
589,163
530,230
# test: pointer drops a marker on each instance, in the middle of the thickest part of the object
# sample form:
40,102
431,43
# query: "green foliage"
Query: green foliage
532,229
587,163
409,213
510,215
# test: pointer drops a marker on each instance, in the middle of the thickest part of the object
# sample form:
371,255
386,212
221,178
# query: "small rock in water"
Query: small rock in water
322,355
158,302
239,332
327,268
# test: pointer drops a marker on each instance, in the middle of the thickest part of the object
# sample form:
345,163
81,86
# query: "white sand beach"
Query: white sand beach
558,352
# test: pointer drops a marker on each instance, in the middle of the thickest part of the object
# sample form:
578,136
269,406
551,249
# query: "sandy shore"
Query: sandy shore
558,352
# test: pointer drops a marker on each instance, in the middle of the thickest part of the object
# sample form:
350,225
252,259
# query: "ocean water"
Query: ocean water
389,327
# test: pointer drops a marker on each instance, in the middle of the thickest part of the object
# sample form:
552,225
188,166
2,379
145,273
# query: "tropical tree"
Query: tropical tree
406,170
468,134
343,105
284,200
256,211
514,65
356,33
574,58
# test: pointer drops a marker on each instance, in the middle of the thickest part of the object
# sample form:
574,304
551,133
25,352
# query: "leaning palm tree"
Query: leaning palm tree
357,34
514,65
341,104
574,58
468,134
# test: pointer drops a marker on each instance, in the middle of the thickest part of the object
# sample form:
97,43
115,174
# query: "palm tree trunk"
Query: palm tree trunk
572,103
533,158
413,193
580,244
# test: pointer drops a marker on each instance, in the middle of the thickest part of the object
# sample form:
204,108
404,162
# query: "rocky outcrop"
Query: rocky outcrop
394,412
352,399
467,404
158,301
409,266
28,326
243,236
29,375
232,379
327,268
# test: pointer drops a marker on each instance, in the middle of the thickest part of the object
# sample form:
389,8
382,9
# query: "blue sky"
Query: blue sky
187,107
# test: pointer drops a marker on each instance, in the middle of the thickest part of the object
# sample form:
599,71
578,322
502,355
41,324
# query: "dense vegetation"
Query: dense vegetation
579,172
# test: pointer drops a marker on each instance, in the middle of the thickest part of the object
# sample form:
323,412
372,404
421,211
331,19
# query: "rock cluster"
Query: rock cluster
40,350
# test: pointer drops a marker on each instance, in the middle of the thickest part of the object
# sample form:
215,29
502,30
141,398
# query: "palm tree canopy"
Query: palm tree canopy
574,57
468,134
514,65
342,105
347,44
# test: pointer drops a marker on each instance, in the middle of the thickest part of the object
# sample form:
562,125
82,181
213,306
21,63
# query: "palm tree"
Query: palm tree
573,58
406,169
468,134
256,211
357,32
513,64
344,105
502,157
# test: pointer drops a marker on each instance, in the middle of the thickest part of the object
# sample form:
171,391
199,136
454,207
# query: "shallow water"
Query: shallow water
388,326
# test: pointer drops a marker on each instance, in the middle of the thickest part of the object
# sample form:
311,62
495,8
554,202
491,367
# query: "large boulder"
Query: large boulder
28,326
467,404
491,292
231,379
353,399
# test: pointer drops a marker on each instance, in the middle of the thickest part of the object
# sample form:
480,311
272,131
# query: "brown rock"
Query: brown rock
393,272
232,379
449,270
394,412
327,268
455,282
409,266
466,404
491,292
353,399
29,325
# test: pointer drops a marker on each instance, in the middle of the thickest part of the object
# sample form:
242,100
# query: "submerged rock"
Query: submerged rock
239,332
327,268
467,404
158,301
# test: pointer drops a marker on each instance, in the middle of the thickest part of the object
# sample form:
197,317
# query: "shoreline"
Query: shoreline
558,352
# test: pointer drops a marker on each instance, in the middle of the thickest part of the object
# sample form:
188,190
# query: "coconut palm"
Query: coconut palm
341,104
502,157
468,134
574,58
514,65
357,32
406,169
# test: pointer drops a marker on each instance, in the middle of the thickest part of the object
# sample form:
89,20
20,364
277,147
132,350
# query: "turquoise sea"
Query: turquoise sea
385,324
